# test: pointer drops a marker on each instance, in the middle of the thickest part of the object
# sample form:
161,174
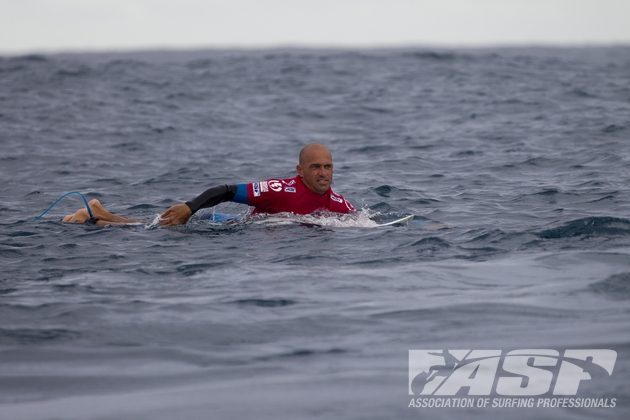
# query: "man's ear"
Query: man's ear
298,168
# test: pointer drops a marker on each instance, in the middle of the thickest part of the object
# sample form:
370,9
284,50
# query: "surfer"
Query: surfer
310,190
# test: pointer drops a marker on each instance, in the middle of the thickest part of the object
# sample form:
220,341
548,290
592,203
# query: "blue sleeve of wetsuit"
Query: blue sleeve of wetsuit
219,194
241,194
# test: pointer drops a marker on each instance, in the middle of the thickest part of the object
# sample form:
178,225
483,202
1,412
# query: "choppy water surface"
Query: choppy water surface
522,155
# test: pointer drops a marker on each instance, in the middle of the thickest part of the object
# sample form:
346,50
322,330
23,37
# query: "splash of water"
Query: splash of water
359,219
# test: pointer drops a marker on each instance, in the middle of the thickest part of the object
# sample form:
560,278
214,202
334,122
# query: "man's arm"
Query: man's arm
180,213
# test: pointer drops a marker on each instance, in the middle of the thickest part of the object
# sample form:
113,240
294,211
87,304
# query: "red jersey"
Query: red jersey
291,195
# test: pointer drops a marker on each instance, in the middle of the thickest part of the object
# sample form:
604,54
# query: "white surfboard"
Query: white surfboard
398,222
219,218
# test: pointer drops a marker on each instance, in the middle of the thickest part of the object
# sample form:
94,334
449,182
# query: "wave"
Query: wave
430,244
265,303
433,55
303,353
477,311
588,226
35,335
613,128
616,287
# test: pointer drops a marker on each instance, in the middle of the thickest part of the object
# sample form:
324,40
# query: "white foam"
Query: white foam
154,224
360,219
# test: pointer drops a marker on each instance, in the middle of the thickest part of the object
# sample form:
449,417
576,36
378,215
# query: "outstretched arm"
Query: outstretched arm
180,213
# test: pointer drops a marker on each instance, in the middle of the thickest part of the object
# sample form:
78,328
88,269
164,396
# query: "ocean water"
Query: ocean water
515,163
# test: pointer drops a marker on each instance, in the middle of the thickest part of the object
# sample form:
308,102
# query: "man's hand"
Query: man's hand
175,215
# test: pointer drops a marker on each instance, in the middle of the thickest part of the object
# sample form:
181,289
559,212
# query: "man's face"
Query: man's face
316,169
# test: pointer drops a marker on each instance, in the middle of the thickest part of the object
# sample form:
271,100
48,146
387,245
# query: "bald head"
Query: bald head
315,167
313,149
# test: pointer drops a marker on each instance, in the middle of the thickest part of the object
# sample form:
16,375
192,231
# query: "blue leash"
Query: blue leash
87,206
